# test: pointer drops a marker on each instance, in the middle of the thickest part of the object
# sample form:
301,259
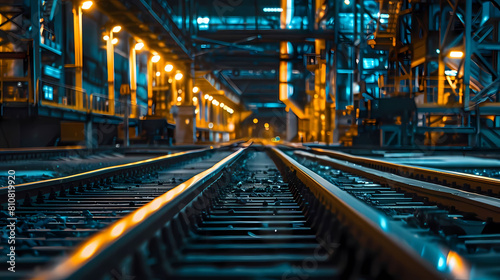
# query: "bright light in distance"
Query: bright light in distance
196,89
203,20
179,99
195,99
105,37
222,104
158,74
86,5
114,41
206,96
155,58
255,120
178,76
272,10
169,67
266,125
456,54
215,102
347,2
210,125
139,46
210,98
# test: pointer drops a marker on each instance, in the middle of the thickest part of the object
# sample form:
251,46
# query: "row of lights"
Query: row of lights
156,57
217,103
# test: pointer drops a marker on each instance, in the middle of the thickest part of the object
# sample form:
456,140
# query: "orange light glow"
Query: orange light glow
89,250
118,229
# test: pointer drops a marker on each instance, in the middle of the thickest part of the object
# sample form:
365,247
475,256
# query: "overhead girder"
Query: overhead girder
142,20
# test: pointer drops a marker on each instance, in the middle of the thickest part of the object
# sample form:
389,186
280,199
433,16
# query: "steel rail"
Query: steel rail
410,256
484,206
457,180
102,251
27,190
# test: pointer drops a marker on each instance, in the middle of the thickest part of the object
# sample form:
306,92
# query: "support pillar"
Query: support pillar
185,125
77,29
110,52
149,76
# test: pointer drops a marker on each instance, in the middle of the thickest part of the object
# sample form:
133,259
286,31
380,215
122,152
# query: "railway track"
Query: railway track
258,213
457,180
66,211
467,223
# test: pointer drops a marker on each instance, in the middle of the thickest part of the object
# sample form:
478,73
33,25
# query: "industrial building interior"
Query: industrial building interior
370,73
119,117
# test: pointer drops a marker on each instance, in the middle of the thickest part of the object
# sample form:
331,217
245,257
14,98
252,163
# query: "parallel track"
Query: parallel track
51,225
240,217
462,181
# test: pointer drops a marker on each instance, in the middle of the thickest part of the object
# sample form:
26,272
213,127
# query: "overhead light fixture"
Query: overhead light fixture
139,46
206,96
255,120
195,99
210,98
155,58
196,89
210,125
347,2
116,29
179,99
158,74
114,41
272,10
178,76
105,37
221,105
169,67
86,5
456,54
266,125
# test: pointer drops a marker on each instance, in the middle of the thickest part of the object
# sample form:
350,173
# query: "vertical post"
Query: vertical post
77,29
441,66
110,51
468,52
188,84
185,123
149,76
133,79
